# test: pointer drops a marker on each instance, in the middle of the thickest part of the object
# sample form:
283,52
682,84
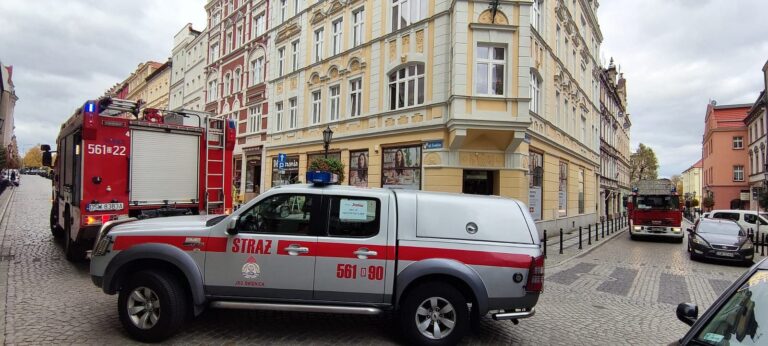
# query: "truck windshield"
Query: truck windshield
658,202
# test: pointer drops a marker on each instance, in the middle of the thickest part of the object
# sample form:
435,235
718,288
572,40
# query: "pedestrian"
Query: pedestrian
13,177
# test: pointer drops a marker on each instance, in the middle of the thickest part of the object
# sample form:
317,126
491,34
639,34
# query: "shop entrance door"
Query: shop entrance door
478,182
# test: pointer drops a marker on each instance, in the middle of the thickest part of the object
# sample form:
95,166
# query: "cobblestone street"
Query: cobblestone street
622,292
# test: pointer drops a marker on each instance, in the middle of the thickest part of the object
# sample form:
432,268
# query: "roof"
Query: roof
698,164
729,115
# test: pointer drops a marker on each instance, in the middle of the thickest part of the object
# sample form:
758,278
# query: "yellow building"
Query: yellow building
441,96
137,81
157,90
691,179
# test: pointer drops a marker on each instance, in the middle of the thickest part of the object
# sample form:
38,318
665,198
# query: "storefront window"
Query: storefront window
535,182
563,190
358,168
289,174
581,191
401,168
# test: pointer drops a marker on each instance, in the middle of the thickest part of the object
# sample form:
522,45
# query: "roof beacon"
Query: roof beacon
322,178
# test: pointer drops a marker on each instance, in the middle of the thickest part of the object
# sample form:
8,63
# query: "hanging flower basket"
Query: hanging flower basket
328,165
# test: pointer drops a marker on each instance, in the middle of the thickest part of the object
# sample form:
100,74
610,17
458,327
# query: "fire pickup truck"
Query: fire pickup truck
655,210
112,164
333,249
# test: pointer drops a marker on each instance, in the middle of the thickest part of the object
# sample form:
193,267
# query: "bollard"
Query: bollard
589,234
751,235
579,237
602,229
597,232
561,241
762,246
545,243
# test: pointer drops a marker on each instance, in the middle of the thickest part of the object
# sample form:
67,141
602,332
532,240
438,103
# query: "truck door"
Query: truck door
352,254
273,254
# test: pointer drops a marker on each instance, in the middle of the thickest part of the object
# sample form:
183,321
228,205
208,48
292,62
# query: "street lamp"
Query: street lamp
327,136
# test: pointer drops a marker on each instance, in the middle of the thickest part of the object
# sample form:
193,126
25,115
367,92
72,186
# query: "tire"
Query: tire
693,256
679,241
632,236
451,308
168,308
56,230
73,251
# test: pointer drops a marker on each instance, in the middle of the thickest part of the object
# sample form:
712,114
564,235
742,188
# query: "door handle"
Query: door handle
295,250
363,253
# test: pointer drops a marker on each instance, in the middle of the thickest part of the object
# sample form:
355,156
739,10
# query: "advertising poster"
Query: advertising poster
358,168
534,202
402,168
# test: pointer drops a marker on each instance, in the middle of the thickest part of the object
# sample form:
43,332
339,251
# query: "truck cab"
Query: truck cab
427,256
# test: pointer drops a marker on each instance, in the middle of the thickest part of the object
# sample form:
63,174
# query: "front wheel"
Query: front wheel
151,306
434,314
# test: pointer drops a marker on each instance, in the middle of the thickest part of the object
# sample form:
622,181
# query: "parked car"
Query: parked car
720,239
738,317
747,219
329,249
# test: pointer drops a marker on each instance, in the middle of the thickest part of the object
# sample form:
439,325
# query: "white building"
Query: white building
188,71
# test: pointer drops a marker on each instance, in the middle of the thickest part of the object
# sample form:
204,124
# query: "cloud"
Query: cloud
66,52
677,56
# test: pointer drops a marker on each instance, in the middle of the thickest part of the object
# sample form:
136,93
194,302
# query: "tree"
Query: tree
708,202
33,157
643,164
695,203
678,181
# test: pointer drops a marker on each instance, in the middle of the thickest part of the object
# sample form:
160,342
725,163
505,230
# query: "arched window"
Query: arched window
212,94
238,79
406,86
227,83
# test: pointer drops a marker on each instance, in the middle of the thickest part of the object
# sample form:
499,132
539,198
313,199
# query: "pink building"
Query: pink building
725,163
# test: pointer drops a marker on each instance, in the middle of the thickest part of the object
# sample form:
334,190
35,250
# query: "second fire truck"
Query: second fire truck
654,210
115,161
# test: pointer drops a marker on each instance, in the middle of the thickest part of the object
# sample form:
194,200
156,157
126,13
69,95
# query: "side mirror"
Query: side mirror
690,230
232,225
47,157
688,313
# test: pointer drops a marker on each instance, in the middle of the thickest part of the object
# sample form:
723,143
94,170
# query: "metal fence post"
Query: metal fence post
762,251
589,234
602,229
561,241
579,237
545,243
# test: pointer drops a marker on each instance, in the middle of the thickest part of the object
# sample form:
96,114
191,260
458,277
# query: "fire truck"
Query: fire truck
116,160
655,210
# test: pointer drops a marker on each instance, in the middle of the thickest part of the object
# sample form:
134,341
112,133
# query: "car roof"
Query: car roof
739,211
718,221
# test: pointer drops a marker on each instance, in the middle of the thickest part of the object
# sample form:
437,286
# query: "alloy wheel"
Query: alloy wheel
143,308
435,318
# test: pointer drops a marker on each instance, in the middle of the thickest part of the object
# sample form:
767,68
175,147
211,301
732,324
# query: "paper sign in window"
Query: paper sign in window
353,210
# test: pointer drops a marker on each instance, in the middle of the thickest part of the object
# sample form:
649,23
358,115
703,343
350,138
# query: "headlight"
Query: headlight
675,229
637,228
700,241
747,245
101,247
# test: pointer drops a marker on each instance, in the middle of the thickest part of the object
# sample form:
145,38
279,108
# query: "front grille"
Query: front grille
725,247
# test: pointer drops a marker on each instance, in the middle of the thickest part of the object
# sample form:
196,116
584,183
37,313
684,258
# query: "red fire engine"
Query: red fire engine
113,164
655,210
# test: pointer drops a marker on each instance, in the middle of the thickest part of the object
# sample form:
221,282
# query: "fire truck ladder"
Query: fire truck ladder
111,107
215,165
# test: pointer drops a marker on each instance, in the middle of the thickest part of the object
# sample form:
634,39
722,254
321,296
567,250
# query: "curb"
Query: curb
4,268
587,251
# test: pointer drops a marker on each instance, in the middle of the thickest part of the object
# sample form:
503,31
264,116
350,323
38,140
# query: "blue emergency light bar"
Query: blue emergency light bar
90,106
322,178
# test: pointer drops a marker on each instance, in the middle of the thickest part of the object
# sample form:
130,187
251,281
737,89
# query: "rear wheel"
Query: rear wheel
434,314
56,229
151,306
73,250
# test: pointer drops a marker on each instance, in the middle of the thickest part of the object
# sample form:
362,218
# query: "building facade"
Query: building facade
441,96
725,159
691,179
157,87
614,142
135,86
756,134
188,60
235,87
8,100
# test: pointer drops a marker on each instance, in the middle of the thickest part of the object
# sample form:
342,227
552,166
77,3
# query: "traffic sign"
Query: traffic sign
281,161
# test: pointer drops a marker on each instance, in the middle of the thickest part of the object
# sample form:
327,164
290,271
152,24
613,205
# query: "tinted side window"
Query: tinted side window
727,216
749,218
356,217
280,214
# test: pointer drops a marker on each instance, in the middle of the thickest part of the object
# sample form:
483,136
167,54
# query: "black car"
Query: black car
720,239
738,317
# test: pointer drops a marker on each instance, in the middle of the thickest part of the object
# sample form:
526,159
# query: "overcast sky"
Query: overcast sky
675,54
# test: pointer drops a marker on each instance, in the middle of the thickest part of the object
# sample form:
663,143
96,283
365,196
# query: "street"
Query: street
622,292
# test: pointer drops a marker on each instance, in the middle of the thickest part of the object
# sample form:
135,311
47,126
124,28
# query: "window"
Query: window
238,78
335,95
239,36
318,45
583,136
563,190
280,61
227,84
229,42
279,116
216,19
336,31
535,102
354,217
536,14
259,26
490,70
738,142
357,27
283,9
406,87
257,70
738,320
557,41
286,213
407,12
296,7
316,106
295,55
355,97
535,183
581,191
230,6
288,173
214,52
254,119
358,168
294,116
212,94
557,108
401,168
738,173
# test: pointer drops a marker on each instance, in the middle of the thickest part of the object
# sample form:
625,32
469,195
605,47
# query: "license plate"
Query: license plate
105,206
725,254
